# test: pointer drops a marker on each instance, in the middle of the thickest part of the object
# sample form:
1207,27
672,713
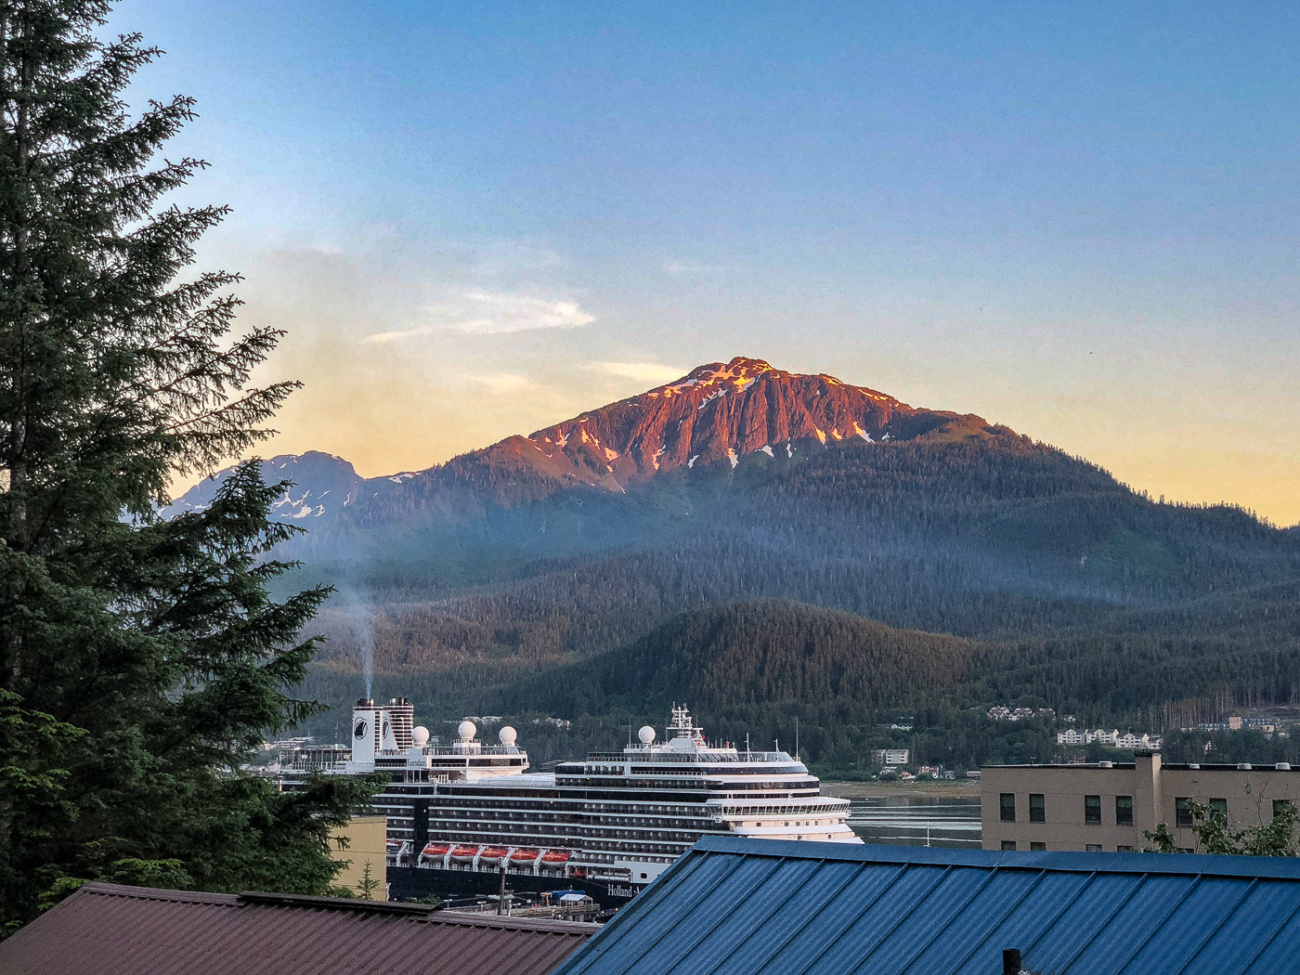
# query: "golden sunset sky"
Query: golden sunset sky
474,220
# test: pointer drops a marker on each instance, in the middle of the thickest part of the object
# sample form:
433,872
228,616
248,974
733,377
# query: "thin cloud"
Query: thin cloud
493,313
680,269
501,382
642,372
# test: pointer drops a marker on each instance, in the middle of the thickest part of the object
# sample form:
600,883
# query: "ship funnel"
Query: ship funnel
388,740
401,715
366,730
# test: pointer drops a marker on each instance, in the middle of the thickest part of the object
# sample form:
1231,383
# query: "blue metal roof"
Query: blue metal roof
732,906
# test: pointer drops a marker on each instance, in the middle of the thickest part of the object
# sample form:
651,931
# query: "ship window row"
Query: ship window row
791,810
630,783
640,797
621,846
550,811
535,837
694,774
568,802
661,782
609,816
692,758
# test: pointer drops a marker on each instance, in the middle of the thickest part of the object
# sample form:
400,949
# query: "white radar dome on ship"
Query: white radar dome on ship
419,736
646,734
507,735
466,730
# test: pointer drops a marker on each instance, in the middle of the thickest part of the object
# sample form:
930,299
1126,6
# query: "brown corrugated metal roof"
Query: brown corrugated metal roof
107,929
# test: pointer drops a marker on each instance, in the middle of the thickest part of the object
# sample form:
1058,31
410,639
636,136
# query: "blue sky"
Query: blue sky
477,219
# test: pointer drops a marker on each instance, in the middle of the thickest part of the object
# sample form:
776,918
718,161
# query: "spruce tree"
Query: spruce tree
141,659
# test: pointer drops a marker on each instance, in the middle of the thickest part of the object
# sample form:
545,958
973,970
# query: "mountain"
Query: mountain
741,485
322,486
723,412
720,412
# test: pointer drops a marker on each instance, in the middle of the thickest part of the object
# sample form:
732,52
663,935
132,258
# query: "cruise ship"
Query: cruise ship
462,814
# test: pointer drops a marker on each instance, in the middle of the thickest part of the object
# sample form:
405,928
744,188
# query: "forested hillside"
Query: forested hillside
582,542
1081,594
973,539
754,653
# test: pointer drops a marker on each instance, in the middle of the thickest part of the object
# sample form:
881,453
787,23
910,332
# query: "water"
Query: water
918,820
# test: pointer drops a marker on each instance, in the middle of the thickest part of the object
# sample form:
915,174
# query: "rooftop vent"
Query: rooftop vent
1244,765
1010,961
1105,765
1193,765
1283,766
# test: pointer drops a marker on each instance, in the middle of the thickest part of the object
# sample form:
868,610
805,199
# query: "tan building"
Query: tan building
1106,807
358,844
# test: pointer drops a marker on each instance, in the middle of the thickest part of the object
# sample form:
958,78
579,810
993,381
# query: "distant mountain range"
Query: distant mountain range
606,537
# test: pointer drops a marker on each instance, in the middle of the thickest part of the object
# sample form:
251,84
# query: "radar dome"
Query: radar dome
466,730
646,734
419,736
507,735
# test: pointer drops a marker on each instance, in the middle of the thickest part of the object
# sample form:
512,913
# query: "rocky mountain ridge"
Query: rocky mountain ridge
719,412
724,411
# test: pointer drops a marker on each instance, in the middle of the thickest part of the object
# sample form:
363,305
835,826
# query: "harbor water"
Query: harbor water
918,820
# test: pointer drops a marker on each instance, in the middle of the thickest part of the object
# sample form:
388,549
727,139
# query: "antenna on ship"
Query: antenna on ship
796,736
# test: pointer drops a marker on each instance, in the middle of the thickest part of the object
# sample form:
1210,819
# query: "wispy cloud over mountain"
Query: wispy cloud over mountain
502,382
644,372
480,312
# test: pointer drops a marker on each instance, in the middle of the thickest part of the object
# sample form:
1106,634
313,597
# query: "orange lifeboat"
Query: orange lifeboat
555,856
437,850
464,853
494,853
524,856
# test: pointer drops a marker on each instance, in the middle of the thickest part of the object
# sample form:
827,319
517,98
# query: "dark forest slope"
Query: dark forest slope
763,652
978,539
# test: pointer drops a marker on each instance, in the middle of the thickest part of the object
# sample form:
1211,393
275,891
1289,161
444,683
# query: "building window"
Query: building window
1008,807
1092,848
1123,849
1009,845
1182,814
1038,846
1092,810
1037,808
1281,804
1123,810
1219,807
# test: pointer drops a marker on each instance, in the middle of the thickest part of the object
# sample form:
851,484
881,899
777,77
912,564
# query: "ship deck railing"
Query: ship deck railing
685,757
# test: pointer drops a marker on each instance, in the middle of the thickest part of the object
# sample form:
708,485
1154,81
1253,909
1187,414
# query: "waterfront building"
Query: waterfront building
362,848
892,756
1107,806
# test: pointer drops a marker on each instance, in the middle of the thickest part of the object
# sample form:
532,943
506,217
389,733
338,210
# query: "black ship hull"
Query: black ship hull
413,883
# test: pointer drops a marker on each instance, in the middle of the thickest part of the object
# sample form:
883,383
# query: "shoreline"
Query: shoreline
957,789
